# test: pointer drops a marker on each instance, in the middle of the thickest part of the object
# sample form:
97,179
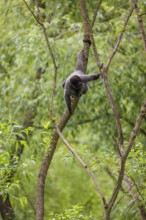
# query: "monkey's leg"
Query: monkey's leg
68,102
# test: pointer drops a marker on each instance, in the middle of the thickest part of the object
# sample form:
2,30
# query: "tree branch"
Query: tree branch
104,73
135,130
135,196
38,19
119,40
119,127
84,166
140,21
124,157
54,140
95,13
116,114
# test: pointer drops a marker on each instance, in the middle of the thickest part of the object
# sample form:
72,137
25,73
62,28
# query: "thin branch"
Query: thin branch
83,165
95,13
140,21
111,99
50,51
32,12
104,73
119,39
96,54
124,157
137,187
99,63
135,130
89,120
120,199
132,193
113,176
53,60
135,196
116,114
132,124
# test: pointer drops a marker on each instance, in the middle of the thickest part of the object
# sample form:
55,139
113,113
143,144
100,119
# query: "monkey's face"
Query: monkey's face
76,86
76,82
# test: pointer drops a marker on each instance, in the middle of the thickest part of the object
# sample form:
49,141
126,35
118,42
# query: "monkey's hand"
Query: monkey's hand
96,76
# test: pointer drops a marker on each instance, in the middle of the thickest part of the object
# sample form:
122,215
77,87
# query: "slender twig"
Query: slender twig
137,188
83,165
125,193
96,54
91,25
53,60
116,114
140,21
32,12
119,40
135,130
95,12
50,51
136,196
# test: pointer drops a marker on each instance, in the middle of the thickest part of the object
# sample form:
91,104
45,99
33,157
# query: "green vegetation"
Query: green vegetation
26,127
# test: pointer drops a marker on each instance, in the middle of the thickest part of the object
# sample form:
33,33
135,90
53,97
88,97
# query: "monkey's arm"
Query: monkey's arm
91,77
68,102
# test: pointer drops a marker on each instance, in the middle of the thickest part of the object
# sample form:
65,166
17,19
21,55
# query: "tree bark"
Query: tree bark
6,208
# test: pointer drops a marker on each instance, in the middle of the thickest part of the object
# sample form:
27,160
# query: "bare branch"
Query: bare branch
116,114
111,99
124,157
131,192
119,40
53,61
32,12
141,25
104,74
50,51
135,130
96,10
96,54
84,166
117,118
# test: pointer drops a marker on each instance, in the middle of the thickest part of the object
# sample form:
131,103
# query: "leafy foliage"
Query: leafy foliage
25,129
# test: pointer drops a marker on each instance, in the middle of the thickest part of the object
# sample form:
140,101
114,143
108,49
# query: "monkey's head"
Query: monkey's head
76,82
